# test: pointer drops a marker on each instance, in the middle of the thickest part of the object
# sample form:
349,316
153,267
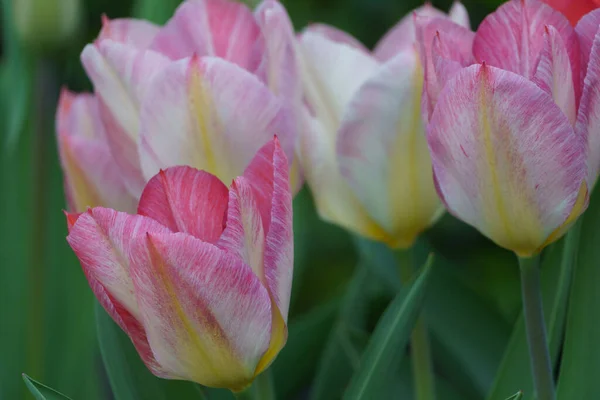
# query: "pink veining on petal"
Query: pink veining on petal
220,28
136,32
101,238
186,200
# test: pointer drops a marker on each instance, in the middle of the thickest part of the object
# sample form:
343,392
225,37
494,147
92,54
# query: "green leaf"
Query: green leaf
581,352
516,396
468,335
388,342
157,11
335,368
514,372
307,335
41,391
128,376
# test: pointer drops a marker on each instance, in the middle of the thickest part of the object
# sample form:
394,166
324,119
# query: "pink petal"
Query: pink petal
136,32
244,235
280,53
91,176
445,48
505,157
336,35
186,200
220,28
403,35
121,74
459,15
268,177
383,153
212,115
101,238
332,72
588,118
512,37
207,316
586,30
553,73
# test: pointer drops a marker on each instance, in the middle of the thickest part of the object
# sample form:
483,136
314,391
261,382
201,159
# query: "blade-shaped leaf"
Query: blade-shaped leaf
390,337
335,367
41,391
298,360
581,352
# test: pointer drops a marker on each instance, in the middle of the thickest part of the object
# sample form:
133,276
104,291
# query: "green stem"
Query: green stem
262,388
422,365
539,354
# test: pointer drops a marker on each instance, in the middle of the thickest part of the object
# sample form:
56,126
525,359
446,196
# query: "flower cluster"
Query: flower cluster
501,127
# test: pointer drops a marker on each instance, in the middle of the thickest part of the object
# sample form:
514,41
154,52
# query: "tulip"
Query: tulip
200,277
573,9
207,90
365,156
91,177
514,136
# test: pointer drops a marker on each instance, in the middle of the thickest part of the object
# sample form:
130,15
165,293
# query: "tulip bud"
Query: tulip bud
46,23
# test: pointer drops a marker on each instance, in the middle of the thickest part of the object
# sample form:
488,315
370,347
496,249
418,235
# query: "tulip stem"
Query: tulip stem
262,388
541,366
422,364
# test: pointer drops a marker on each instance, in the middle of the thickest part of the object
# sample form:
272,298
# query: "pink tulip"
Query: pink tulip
514,132
365,156
200,277
207,90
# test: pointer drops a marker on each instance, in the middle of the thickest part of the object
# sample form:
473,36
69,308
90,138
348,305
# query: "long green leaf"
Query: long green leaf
336,368
389,340
128,376
41,391
468,335
307,335
580,364
514,372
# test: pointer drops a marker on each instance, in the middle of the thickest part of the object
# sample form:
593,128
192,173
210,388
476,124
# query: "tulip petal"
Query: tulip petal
221,28
121,74
101,238
445,48
383,153
186,200
458,13
512,37
553,73
336,35
267,175
280,54
334,199
403,35
91,176
333,72
136,32
588,118
218,116
207,316
586,30
282,68
505,158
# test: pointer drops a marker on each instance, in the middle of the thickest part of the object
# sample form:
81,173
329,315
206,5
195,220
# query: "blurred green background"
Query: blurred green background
47,319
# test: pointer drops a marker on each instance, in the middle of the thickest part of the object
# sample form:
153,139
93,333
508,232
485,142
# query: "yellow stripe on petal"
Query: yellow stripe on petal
278,339
578,208
202,110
